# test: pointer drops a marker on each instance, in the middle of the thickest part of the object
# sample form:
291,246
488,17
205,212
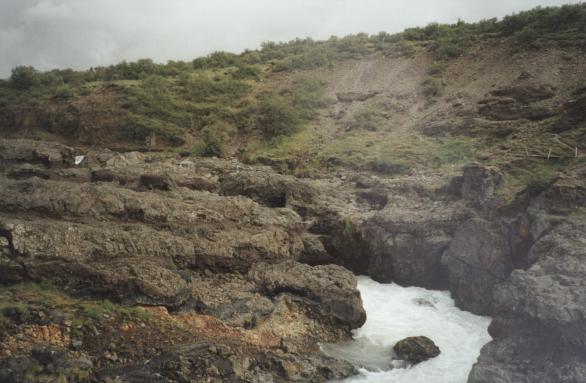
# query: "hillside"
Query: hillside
423,100
205,220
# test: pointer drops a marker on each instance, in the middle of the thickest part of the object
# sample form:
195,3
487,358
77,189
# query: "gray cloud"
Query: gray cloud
82,33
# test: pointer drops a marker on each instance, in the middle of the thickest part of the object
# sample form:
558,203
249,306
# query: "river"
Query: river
396,312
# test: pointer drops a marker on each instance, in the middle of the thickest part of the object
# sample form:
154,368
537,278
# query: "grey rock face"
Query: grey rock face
477,260
539,327
406,244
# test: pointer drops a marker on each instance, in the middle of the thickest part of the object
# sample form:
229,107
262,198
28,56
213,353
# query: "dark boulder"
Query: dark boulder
416,349
155,181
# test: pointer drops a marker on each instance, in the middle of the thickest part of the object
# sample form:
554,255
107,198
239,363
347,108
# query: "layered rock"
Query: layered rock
188,236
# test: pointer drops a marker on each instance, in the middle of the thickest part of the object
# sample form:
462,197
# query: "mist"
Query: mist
84,33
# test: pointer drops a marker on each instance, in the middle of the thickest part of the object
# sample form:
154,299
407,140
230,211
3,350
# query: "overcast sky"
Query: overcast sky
83,33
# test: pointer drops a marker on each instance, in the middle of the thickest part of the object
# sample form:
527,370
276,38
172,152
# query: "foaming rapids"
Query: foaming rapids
396,312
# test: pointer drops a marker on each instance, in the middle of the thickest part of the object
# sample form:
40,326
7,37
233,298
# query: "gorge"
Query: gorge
240,218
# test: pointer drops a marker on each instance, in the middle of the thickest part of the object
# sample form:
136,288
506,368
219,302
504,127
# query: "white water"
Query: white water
394,313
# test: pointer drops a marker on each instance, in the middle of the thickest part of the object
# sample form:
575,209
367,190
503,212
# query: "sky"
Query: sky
80,34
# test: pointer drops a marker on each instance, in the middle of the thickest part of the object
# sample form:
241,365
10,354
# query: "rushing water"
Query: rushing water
396,312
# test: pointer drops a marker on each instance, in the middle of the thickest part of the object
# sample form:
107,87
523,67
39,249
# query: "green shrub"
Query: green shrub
217,59
277,116
24,77
284,113
245,71
437,68
432,87
215,138
368,119
204,89
64,92
137,128
454,152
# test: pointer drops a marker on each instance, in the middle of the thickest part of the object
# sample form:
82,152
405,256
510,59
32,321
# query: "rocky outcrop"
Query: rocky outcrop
539,326
573,114
330,289
476,260
213,241
479,184
50,154
518,102
406,244
266,187
525,94
416,349
220,363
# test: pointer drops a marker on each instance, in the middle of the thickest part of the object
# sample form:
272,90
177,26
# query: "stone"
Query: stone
416,349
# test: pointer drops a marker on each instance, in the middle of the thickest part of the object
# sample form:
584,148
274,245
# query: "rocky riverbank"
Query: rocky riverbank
220,271
186,277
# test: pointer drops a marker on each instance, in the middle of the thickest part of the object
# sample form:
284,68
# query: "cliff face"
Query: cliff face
218,275
166,266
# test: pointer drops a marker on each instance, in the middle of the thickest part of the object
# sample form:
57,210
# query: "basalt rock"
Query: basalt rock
229,363
539,327
330,289
405,244
573,114
266,187
477,259
416,349
526,94
213,244
32,151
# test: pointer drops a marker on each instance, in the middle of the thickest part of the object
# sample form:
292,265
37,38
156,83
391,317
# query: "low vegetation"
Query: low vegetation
263,102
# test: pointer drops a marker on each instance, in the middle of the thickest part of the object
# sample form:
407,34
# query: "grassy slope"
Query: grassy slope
278,105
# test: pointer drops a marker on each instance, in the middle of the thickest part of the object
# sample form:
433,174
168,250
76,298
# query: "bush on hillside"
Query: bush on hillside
215,138
24,77
277,117
204,89
432,87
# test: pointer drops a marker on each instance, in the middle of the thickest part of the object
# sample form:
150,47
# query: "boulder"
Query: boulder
416,349
266,187
155,181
